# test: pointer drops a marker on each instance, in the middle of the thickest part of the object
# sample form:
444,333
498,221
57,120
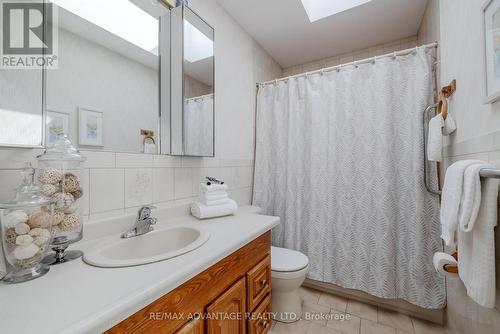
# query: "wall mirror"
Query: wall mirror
105,91
193,103
106,88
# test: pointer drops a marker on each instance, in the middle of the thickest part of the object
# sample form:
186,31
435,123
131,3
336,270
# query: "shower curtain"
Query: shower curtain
339,160
199,125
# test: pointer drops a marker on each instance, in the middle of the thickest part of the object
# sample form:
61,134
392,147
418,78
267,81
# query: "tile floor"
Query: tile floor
329,314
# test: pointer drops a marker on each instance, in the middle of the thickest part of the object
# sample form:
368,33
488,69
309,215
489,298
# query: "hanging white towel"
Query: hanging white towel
449,125
438,127
451,199
471,197
476,249
435,139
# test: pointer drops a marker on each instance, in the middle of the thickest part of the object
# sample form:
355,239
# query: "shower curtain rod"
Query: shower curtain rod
355,63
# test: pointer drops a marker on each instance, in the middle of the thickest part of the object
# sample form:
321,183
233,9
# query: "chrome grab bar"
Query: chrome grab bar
424,127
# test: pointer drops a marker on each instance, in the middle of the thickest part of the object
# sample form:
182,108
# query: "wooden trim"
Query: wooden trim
192,296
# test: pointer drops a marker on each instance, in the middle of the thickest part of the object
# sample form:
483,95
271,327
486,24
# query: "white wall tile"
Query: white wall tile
9,181
160,161
220,173
163,184
183,183
132,160
200,162
242,177
85,184
107,190
138,186
16,158
99,159
242,196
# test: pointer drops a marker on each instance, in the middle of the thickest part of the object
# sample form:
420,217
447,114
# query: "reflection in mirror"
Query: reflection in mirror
193,115
21,118
106,89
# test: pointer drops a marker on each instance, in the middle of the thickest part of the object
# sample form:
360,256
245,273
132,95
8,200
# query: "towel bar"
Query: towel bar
490,173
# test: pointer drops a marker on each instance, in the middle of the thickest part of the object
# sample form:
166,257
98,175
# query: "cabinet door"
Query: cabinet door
226,314
195,326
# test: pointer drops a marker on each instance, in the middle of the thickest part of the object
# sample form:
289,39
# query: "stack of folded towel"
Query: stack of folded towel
468,219
213,202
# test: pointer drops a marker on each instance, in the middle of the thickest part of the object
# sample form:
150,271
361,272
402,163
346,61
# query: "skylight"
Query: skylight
120,17
318,9
197,46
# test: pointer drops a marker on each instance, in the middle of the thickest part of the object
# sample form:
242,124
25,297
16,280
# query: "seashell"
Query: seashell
10,237
39,219
24,240
42,240
31,262
14,218
70,222
22,228
70,183
25,252
37,232
48,189
72,208
56,230
77,194
50,176
58,217
63,200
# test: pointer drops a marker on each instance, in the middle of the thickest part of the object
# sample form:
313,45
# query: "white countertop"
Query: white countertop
77,298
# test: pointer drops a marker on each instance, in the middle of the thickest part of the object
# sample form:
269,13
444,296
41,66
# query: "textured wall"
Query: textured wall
457,25
375,50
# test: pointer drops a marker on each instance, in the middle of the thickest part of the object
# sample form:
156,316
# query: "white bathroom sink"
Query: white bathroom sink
154,246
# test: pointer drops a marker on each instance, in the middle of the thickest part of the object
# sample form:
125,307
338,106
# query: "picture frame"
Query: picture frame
56,123
90,127
491,40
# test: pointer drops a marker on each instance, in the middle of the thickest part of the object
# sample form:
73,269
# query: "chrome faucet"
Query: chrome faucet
143,223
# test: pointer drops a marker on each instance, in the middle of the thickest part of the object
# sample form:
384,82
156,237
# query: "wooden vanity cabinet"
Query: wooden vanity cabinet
231,297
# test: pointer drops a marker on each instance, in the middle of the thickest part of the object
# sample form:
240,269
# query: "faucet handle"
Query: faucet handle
145,212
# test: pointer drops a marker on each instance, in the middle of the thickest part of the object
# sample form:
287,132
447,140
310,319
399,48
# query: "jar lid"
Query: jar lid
28,193
62,150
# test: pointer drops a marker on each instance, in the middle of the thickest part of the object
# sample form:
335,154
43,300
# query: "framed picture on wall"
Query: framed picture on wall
56,123
90,127
491,31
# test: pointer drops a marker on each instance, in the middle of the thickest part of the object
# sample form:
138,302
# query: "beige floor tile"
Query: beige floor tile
395,319
309,295
299,327
317,329
425,327
350,325
332,301
371,327
315,313
362,310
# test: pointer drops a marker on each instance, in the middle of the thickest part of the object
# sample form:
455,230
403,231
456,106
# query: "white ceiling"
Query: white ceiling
284,30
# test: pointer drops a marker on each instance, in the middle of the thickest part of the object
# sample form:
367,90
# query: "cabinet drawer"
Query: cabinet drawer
258,282
260,320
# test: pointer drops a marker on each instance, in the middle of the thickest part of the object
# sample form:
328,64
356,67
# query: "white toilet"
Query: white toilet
288,271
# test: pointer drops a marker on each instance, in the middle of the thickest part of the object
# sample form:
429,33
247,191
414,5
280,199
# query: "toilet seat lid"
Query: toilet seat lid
283,259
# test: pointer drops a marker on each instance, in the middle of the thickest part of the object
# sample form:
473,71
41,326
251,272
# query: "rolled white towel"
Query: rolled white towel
202,211
209,202
212,188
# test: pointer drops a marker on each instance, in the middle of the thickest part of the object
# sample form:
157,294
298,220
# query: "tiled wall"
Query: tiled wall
117,183
376,50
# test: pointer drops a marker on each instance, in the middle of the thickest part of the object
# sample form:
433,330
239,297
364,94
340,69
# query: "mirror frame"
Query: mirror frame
177,17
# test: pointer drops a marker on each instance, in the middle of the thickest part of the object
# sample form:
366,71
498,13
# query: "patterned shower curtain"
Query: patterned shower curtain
339,160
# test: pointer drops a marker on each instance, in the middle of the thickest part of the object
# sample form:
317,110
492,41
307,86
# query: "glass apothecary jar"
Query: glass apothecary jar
60,177
26,230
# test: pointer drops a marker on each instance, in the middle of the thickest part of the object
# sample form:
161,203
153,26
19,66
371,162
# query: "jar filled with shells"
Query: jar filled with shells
26,230
60,178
